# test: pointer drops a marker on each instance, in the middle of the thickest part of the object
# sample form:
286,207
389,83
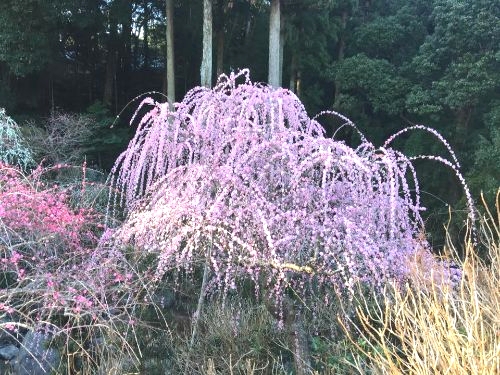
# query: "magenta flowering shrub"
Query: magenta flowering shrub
240,177
35,213
53,276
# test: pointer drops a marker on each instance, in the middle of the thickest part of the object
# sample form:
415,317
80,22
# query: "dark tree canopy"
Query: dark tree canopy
383,63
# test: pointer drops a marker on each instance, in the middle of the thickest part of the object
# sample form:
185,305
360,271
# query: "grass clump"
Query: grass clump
436,328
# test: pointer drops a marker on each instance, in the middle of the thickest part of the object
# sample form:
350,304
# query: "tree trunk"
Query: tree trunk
274,44
298,84
292,318
90,88
462,116
206,61
145,25
301,355
109,80
220,37
293,72
52,101
340,56
135,52
220,52
169,66
126,38
282,46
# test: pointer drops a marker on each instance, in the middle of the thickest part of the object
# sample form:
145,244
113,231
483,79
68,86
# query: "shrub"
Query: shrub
54,278
36,213
232,337
13,148
63,138
239,177
72,138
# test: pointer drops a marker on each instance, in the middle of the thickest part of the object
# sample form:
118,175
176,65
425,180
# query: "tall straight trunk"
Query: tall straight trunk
274,44
89,87
135,52
293,72
52,100
109,80
298,84
340,56
220,52
145,25
282,47
169,66
220,18
126,38
206,61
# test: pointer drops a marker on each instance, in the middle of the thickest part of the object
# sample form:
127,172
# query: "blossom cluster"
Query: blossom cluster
34,212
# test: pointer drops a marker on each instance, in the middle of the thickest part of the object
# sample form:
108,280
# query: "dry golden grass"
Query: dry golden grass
438,329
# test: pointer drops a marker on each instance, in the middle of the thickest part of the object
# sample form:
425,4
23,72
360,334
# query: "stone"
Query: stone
36,356
8,352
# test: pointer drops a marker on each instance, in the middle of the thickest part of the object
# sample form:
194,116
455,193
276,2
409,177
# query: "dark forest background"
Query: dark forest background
68,68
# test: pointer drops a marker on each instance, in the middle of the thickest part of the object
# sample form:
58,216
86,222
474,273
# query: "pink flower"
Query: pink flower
10,326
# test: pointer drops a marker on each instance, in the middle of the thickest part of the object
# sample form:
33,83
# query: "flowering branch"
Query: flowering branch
242,169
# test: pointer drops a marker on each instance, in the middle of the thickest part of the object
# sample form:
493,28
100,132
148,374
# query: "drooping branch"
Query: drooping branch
243,167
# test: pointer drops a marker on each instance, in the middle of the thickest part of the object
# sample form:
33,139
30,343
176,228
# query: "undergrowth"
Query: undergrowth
428,327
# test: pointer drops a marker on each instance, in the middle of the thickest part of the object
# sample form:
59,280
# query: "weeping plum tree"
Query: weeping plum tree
239,177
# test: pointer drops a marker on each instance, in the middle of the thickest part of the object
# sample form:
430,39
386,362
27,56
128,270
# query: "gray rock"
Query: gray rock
36,357
8,352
